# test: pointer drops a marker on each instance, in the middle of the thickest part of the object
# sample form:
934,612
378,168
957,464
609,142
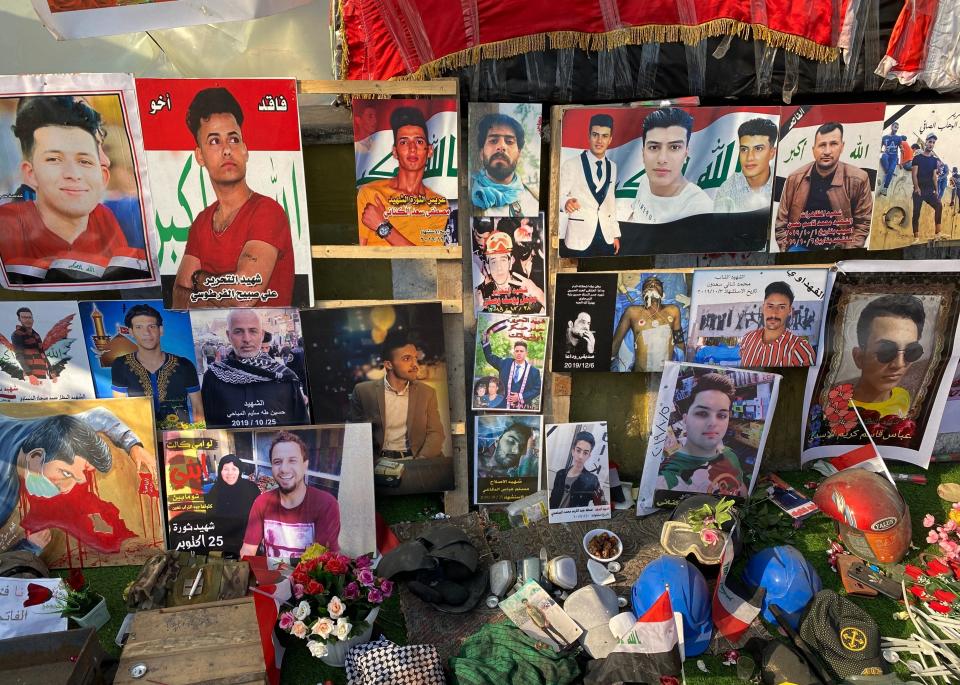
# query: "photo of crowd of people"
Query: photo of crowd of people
75,202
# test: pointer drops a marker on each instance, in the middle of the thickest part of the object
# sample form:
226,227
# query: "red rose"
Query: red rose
336,566
75,580
300,576
313,588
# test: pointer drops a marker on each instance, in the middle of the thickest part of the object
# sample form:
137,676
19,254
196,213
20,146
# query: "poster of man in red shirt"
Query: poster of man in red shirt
72,200
226,166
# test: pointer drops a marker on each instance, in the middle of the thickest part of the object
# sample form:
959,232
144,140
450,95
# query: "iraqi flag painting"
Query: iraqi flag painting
732,614
665,180
649,653
226,171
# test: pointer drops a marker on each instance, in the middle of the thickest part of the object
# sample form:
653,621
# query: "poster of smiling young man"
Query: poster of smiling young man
250,377
887,359
753,318
406,171
578,472
918,190
78,482
708,433
227,176
41,355
510,361
274,492
826,172
137,348
506,463
667,180
504,158
75,205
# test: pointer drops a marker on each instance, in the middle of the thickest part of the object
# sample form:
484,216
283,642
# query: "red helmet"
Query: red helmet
873,519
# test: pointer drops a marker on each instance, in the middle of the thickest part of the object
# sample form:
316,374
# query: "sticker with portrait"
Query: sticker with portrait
251,373
753,318
665,180
917,206
367,363
102,508
578,472
506,460
887,360
227,175
137,348
508,265
40,356
534,612
270,492
504,158
75,205
406,171
826,172
708,433
510,354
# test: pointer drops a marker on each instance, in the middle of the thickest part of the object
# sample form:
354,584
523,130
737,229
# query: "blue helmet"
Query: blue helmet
787,577
688,595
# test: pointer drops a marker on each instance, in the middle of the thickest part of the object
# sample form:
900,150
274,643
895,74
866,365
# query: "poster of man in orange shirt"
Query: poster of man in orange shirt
406,157
72,199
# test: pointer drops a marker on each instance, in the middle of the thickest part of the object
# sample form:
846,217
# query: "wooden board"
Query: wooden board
207,644
69,657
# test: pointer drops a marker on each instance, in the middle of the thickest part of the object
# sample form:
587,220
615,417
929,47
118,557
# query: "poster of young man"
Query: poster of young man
652,311
508,265
270,492
406,170
708,433
40,356
504,158
506,460
249,375
137,348
826,172
510,351
887,358
227,175
752,318
385,365
665,180
584,311
78,482
578,472
918,190
75,205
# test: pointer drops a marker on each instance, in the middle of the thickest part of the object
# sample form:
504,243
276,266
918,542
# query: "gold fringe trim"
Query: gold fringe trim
634,35
338,28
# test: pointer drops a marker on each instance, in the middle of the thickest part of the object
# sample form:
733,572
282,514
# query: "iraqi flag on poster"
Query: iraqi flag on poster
68,19
649,653
732,614
373,141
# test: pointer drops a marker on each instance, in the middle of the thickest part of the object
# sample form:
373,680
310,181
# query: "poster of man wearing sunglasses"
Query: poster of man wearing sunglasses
887,360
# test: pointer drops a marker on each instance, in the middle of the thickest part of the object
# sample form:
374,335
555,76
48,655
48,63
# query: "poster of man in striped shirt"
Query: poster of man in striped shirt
756,318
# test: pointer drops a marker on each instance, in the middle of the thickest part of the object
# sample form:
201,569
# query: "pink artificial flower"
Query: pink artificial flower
949,546
932,537
950,526
365,576
709,536
363,562
286,620
955,506
299,629
374,596
928,521
298,590
386,587
351,591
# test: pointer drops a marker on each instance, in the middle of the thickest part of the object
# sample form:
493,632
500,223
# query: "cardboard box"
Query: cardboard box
71,657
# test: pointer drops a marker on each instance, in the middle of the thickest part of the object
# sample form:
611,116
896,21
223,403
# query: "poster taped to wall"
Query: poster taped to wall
75,206
506,449
226,171
509,361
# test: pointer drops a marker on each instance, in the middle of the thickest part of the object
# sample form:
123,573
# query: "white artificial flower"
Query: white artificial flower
301,611
335,607
317,649
323,627
299,629
343,629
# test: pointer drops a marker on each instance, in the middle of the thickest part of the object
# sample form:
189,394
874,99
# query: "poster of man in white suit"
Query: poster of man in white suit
587,196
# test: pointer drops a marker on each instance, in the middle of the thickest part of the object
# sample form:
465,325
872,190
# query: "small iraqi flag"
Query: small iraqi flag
732,613
649,653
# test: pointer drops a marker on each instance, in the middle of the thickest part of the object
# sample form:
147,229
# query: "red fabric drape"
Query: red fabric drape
382,39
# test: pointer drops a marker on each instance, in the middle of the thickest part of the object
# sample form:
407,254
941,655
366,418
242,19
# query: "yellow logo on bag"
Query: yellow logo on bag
853,639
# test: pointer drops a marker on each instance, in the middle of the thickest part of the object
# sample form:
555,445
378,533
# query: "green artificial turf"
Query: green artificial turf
813,539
